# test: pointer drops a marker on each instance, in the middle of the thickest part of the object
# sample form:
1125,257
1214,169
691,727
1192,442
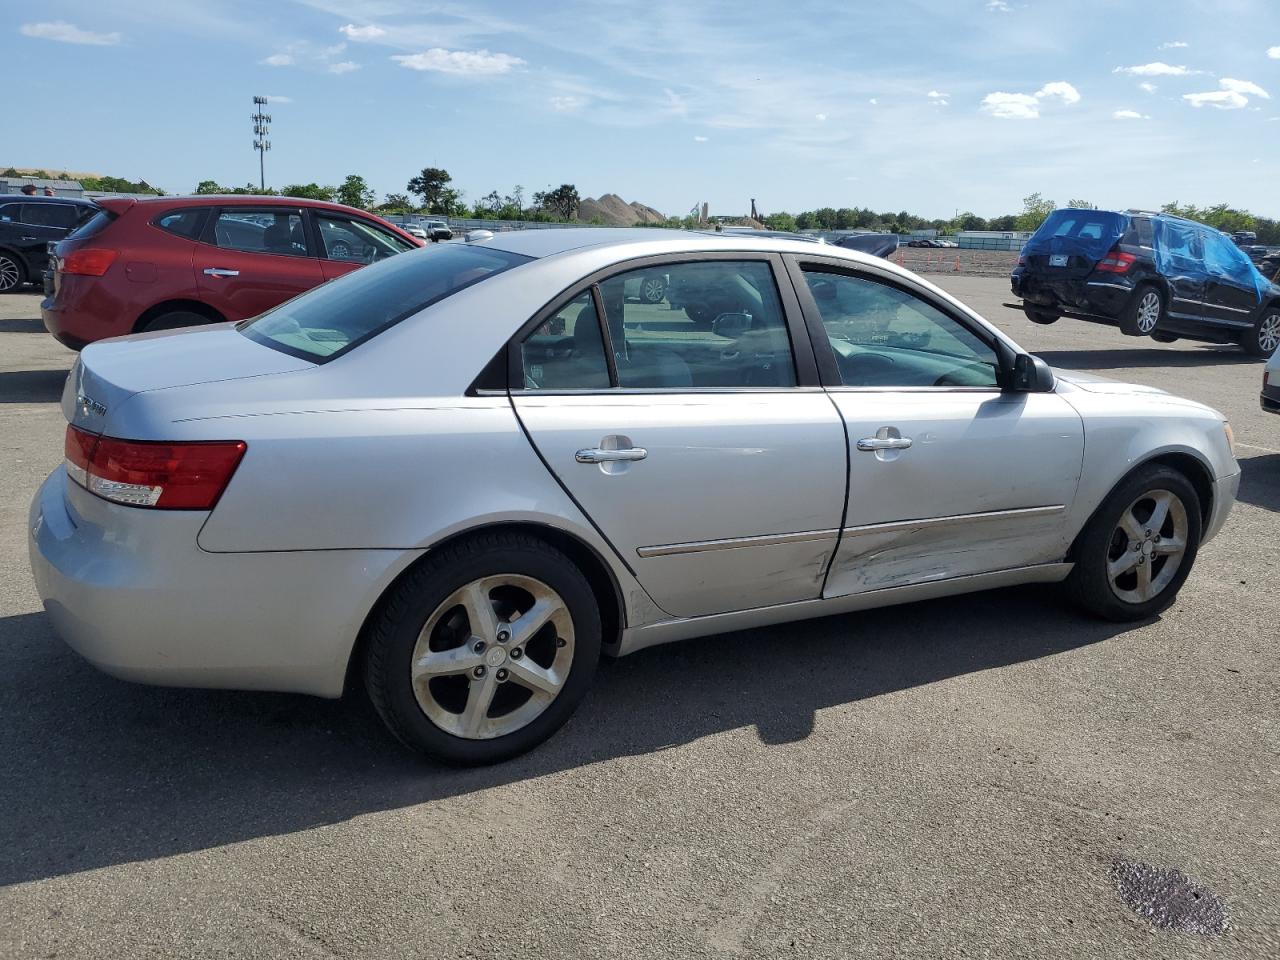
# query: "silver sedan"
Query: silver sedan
463,474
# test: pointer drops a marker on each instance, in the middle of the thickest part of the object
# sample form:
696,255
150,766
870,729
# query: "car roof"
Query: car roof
539,243
38,198
250,199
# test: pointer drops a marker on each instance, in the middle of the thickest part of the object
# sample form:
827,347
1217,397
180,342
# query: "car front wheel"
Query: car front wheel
485,650
1136,551
11,273
1263,339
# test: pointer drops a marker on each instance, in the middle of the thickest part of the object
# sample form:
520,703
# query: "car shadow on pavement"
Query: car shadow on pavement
22,326
1205,356
100,772
1260,481
31,386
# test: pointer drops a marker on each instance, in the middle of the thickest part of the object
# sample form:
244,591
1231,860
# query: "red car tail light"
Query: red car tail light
89,262
1116,262
138,473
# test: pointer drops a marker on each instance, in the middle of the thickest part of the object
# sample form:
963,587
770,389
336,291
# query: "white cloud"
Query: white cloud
1147,87
367,32
1026,106
1011,106
344,66
1173,45
1273,53
939,99
701,139
469,63
65,32
820,116
278,60
873,101
1243,86
1233,95
1129,115
1156,69
567,104
999,6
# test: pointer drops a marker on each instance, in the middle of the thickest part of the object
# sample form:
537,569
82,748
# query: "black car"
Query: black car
27,226
1150,274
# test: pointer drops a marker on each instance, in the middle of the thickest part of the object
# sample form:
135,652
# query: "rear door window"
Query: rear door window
61,215
184,223
270,230
333,318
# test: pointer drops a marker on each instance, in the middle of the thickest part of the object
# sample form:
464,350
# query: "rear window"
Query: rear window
338,316
1083,224
185,223
94,225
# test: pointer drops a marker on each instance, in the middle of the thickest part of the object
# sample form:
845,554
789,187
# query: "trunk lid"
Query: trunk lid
111,371
1066,249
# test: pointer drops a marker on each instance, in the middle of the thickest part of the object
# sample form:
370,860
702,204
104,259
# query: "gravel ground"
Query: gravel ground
954,778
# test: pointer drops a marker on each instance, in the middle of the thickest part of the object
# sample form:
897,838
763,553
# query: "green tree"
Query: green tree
308,191
10,172
1080,205
780,221
1035,210
210,186
432,185
561,202
395,203
355,192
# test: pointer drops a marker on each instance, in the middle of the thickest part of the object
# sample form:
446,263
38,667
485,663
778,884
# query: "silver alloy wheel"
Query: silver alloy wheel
1269,333
652,290
340,249
1147,546
10,274
1148,311
493,656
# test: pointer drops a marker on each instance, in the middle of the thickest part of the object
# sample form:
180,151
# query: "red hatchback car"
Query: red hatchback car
165,262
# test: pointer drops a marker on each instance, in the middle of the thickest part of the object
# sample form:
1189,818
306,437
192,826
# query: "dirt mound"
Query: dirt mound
611,210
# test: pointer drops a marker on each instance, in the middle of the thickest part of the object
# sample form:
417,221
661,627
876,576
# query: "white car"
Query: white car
1270,396
415,231
464,472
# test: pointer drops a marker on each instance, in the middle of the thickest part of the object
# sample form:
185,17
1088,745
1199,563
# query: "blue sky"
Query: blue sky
922,105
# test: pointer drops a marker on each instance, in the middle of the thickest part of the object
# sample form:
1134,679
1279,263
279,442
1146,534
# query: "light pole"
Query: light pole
261,127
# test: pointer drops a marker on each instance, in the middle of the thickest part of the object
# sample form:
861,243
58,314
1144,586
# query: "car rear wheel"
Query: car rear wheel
1037,315
653,289
1159,337
174,320
1143,312
12,275
1137,549
1263,339
484,651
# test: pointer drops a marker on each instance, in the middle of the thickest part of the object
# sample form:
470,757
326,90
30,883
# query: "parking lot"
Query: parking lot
953,778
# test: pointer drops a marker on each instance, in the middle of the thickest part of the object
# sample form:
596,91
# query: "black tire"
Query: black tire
653,289
13,272
1159,337
1263,338
1038,315
394,632
1090,585
175,320
1144,311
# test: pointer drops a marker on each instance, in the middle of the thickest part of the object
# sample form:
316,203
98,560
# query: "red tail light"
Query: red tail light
89,262
1116,262
173,476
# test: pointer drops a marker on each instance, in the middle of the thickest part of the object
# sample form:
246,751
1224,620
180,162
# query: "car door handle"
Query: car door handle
600,455
220,272
871,444
30,238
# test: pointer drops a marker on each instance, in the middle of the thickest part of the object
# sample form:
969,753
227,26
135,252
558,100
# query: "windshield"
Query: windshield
340,315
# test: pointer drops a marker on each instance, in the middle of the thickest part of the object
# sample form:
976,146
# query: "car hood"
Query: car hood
111,371
1096,384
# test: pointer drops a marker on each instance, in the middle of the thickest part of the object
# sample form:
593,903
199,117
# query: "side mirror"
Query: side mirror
731,326
1031,375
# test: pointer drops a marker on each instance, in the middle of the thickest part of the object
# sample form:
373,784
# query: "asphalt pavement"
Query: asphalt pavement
980,776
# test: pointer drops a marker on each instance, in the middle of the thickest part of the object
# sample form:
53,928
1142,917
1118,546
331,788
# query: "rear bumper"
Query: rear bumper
55,322
131,592
1269,399
1096,298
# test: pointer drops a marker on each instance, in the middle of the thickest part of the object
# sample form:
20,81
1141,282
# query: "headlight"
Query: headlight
1231,437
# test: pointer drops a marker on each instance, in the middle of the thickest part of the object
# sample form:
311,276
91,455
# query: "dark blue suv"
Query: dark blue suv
1149,274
